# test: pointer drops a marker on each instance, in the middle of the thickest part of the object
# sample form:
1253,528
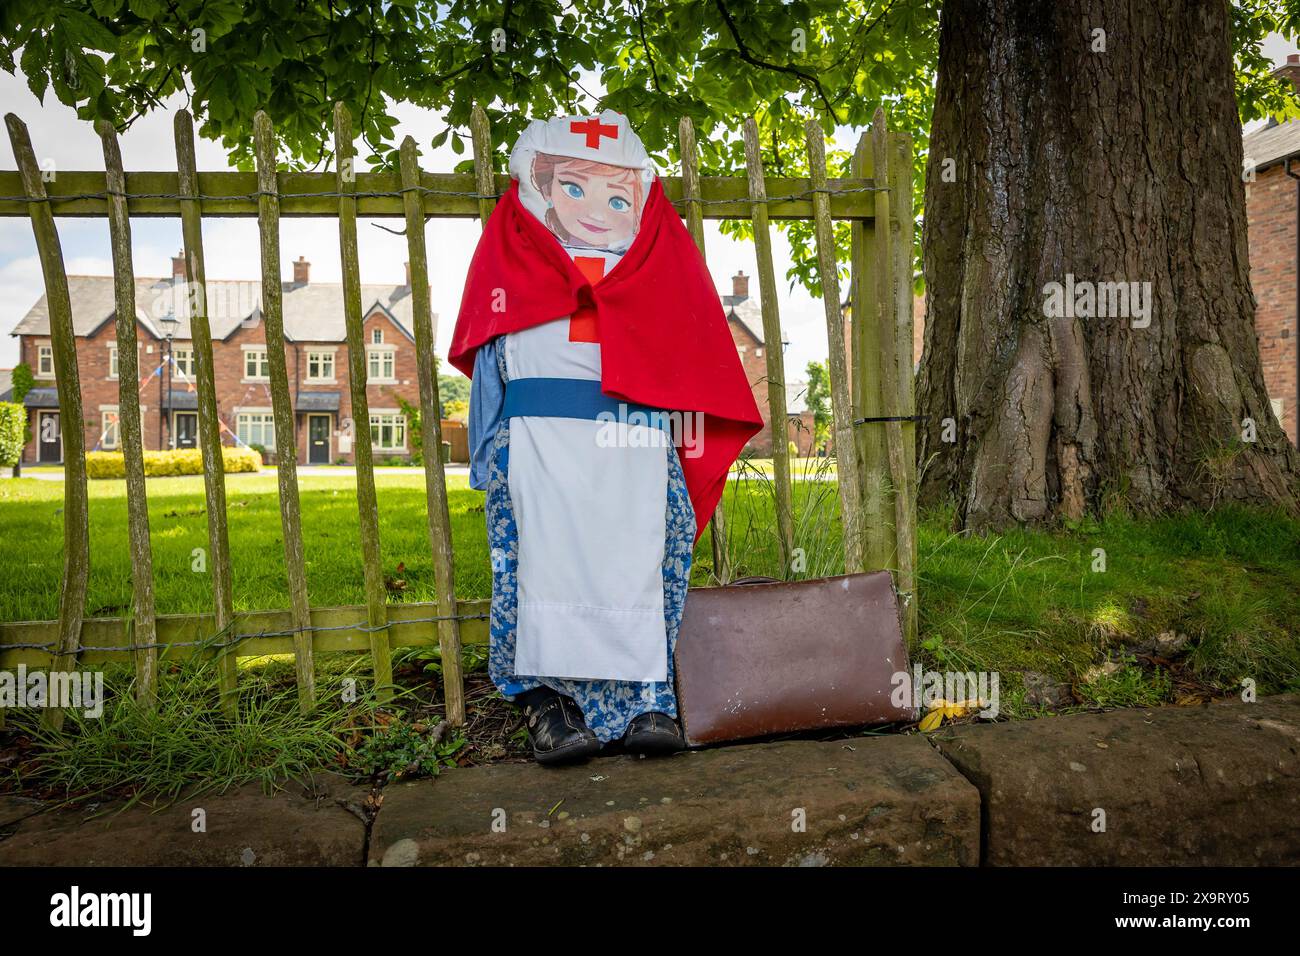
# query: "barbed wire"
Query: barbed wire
213,643
423,190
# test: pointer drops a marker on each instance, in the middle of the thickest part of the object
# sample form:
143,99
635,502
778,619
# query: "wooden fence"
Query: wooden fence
871,384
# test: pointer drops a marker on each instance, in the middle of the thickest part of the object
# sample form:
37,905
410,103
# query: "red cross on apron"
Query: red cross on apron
582,324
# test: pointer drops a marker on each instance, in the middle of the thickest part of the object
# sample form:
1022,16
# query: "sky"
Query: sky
231,245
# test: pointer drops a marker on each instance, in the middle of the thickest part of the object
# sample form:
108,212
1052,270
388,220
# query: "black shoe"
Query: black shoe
556,728
653,733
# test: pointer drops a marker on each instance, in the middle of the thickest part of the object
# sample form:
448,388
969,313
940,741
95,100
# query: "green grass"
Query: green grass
1028,599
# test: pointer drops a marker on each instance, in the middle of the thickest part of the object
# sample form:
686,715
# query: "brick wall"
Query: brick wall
1271,217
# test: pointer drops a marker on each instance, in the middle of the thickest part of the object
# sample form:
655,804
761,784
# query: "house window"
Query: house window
320,366
388,432
256,365
742,349
1278,408
381,365
109,427
112,361
256,428
184,359
377,337
45,361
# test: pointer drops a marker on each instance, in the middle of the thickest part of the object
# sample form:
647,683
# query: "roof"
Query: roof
747,311
313,312
1271,144
317,402
41,398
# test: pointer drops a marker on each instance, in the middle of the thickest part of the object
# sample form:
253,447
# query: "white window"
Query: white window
320,366
381,364
1278,408
388,432
256,428
112,361
377,336
45,361
256,366
109,427
742,349
184,359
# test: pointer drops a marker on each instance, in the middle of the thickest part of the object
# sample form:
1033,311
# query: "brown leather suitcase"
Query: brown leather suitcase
761,657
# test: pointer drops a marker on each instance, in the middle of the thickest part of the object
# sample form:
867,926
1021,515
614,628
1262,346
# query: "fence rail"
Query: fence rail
871,384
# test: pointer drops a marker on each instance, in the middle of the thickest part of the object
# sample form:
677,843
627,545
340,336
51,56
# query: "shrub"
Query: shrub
13,433
180,461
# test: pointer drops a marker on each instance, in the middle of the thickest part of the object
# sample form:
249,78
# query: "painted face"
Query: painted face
595,207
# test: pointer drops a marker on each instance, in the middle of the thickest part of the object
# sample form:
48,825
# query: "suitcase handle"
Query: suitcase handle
754,579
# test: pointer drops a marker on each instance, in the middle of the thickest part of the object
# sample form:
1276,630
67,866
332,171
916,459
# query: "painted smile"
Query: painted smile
592,227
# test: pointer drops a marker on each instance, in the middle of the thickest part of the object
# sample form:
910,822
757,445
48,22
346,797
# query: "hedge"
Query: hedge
13,433
181,461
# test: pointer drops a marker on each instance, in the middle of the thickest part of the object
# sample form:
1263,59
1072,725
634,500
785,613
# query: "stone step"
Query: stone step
867,801
1210,785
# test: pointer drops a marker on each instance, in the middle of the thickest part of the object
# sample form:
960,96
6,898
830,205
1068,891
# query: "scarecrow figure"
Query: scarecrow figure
607,404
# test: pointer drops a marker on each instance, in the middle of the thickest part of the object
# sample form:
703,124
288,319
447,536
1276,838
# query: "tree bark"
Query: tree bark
1055,161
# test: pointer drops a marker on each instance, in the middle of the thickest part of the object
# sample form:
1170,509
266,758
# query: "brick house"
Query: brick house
745,319
1272,158
316,357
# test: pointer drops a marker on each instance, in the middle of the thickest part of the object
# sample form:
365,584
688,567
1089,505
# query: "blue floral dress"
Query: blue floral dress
607,705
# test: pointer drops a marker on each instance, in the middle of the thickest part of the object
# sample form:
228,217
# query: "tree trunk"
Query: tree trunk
1059,155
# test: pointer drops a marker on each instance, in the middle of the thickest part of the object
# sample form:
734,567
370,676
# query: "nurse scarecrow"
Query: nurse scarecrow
607,404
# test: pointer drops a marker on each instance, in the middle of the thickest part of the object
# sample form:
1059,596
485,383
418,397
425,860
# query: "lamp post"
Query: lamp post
169,322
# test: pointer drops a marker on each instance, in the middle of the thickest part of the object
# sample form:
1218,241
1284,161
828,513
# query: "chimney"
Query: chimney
301,270
1291,70
740,285
178,266
408,274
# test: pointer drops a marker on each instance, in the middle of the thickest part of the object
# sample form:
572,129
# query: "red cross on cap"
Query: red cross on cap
594,129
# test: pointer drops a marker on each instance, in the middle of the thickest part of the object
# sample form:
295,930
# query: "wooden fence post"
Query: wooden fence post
901,226
846,458
695,225
214,466
435,480
76,525
358,371
878,543
286,437
484,181
772,352
885,318
145,630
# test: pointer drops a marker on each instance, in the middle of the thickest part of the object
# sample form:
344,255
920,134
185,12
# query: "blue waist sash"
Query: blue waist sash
574,398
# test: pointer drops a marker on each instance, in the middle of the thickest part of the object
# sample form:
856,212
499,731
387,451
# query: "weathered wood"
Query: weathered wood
286,439
484,183
901,228
407,627
772,350
310,194
846,458
128,422
214,468
367,500
877,524
886,318
76,527
435,481
695,225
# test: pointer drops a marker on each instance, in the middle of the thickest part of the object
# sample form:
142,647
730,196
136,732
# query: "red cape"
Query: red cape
663,336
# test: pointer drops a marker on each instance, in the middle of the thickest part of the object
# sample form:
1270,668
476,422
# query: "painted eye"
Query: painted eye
572,190
619,204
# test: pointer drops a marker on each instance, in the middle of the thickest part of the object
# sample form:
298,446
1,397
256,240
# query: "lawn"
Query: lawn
1028,599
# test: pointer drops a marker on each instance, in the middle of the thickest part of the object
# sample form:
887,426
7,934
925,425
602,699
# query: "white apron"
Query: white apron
590,517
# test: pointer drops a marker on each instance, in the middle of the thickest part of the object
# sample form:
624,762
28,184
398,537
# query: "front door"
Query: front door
49,440
187,429
318,439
